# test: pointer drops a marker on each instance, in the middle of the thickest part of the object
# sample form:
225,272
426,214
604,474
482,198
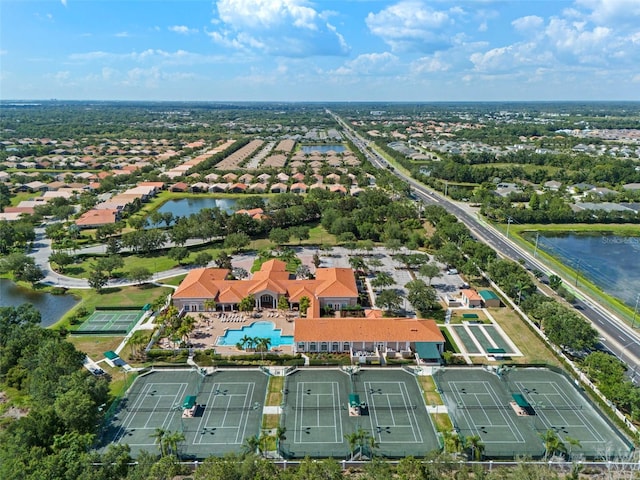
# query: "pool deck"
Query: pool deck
210,325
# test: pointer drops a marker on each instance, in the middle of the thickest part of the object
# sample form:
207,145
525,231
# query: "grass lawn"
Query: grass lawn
134,296
95,346
274,391
431,396
531,346
442,422
21,196
175,281
270,421
449,343
156,263
457,318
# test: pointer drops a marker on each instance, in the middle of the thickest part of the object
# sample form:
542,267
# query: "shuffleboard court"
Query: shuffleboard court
482,339
227,409
510,409
318,423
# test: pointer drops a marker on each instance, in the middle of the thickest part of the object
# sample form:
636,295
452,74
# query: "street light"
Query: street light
635,311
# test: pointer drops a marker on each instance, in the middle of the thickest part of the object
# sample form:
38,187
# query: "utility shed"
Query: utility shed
489,299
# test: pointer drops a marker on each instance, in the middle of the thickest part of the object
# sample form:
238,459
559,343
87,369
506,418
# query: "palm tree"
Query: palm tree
159,435
210,305
552,443
280,434
246,342
172,439
352,439
573,442
263,345
474,442
251,445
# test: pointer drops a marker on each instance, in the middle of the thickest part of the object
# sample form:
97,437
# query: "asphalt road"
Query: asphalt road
616,336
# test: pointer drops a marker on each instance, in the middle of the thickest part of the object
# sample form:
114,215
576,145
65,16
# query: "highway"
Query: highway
615,335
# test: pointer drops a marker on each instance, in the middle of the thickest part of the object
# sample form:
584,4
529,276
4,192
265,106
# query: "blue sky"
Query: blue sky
324,50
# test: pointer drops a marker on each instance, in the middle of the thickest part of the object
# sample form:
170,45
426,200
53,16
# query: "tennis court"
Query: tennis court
509,409
114,322
317,420
227,409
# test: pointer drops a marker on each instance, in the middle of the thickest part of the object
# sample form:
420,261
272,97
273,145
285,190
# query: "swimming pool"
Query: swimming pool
261,329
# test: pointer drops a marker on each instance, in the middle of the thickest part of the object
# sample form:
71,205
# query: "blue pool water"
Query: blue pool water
256,329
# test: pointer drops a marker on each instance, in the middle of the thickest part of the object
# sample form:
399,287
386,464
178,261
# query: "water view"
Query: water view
608,261
51,307
184,207
323,148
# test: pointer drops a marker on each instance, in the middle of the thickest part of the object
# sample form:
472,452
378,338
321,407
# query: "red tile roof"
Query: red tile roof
366,330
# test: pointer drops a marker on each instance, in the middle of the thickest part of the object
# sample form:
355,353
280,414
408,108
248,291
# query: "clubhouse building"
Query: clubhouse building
367,339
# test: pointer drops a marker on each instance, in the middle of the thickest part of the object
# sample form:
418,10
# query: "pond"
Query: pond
608,261
322,148
184,207
51,307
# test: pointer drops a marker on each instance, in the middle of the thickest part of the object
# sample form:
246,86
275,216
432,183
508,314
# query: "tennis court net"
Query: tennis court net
179,409
382,407
508,407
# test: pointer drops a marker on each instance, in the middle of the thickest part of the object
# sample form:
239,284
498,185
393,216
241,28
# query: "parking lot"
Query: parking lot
339,257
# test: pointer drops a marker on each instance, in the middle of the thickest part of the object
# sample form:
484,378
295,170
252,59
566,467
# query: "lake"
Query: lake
323,148
51,307
184,207
609,261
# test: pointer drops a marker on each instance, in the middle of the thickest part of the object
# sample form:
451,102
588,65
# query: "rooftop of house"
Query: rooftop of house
367,330
272,277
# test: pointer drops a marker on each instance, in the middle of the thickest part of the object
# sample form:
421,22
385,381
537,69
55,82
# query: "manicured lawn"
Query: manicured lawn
156,263
134,296
531,346
95,346
442,422
449,343
173,280
270,421
274,392
21,196
431,396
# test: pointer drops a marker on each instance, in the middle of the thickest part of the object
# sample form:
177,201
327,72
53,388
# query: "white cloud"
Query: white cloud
183,29
510,58
431,64
122,35
63,2
576,39
290,28
178,57
369,64
413,25
3,52
612,11
528,24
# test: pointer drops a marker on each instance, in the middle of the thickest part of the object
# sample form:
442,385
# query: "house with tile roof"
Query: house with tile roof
471,298
98,218
333,288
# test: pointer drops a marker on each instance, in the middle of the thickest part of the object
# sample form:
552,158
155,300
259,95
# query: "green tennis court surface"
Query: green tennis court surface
479,403
317,420
115,322
229,410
